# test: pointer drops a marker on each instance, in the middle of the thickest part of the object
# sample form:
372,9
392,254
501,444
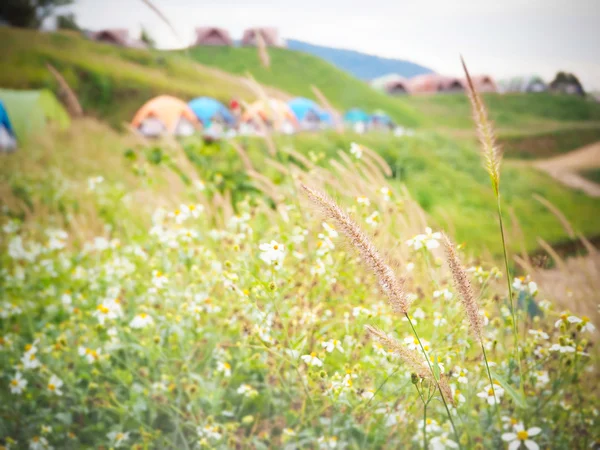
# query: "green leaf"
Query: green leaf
516,396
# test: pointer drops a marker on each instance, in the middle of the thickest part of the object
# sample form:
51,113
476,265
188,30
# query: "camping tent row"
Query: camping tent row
360,121
394,84
169,115
26,113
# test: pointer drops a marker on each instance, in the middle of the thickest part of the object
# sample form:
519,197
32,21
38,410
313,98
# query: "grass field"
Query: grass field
185,295
140,310
294,72
111,83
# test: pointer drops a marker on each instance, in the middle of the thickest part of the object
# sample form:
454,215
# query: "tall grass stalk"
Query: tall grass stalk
435,379
492,158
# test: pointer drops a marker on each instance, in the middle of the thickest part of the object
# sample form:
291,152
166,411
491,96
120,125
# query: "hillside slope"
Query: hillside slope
111,83
294,72
360,65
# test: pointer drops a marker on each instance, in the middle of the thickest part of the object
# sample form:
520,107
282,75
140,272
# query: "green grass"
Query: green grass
548,144
111,83
509,111
448,180
295,71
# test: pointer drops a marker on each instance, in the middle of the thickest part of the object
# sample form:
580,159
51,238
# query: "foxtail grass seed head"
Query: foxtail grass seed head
485,132
413,360
389,283
463,286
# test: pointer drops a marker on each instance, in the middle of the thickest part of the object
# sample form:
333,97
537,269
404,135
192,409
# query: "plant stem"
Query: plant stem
424,426
517,354
436,380
487,366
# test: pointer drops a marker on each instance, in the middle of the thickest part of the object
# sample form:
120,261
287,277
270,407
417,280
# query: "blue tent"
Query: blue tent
382,118
301,106
207,109
4,120
326,117
356,115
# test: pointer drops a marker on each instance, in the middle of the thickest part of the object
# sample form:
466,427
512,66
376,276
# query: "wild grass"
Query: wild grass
234,318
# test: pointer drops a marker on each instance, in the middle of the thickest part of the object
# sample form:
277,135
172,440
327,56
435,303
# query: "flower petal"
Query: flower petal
514,445
508,437
533,431
531,445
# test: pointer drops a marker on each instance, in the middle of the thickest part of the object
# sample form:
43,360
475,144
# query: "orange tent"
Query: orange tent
165,114
274,112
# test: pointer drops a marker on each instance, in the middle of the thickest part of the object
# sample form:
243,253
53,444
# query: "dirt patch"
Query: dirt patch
565,168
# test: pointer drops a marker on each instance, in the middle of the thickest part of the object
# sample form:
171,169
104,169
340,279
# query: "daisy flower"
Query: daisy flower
142,320
89,354
54,385
332,344
118,438
521,438
488,394
272,253
18,384
312,360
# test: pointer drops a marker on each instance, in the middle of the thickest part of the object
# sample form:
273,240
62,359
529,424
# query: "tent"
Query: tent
356,115
7,135
165,115
380,120
309,113
208,109
275,113
31,111
358,119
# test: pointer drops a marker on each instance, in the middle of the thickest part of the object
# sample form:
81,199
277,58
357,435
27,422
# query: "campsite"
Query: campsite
217,235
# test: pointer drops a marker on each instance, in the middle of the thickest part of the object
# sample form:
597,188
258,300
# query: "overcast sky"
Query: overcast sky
500,37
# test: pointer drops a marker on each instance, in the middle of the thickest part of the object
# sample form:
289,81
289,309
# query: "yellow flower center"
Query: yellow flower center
143,315
428,421
51,387
227,365
119,436
275,247
415,341
31,357
490,392
313,354
14,382
522,435
585,319
36,439
563,316
192,207
28,347
513,421
462,374
103,309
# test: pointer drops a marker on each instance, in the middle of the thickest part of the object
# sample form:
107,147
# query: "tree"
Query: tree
147,39
67,22
29,13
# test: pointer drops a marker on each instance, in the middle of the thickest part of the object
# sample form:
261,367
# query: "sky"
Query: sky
500,37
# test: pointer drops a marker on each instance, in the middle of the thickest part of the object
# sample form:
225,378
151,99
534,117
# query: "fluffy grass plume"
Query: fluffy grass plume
73,105
390,284
463,286
485,131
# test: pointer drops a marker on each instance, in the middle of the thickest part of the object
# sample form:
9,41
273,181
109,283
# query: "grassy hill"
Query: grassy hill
529,126
294,72
111,83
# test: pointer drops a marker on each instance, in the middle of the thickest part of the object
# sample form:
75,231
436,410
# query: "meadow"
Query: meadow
143,308
329,291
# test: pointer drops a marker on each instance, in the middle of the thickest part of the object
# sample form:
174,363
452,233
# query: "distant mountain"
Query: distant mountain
361,65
